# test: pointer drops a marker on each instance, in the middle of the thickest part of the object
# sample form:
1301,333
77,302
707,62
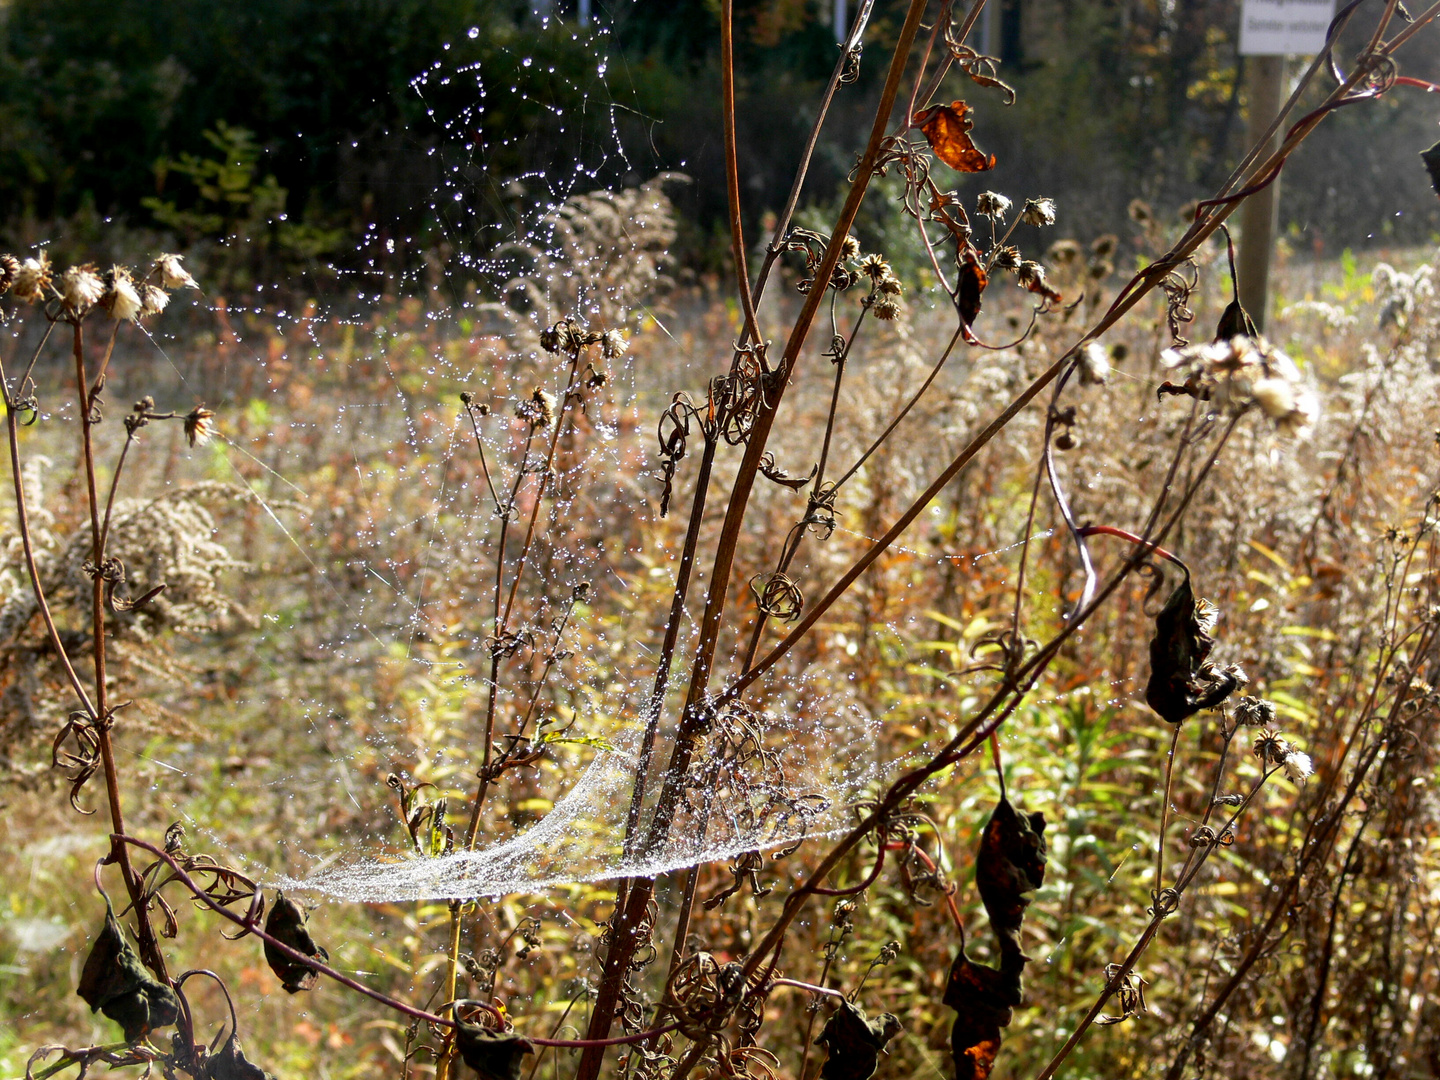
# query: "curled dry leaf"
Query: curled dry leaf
854,1043
115,982
947,129
1010,866
494,1055
1182,679
1431,158
984,999
286,922
970,286
230,1064
1235,321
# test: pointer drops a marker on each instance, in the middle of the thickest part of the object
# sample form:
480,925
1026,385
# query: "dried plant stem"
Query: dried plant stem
623,932
149,946
1165,810
732,168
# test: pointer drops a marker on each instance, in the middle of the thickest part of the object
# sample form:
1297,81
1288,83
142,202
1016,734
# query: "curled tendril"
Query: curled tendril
778,597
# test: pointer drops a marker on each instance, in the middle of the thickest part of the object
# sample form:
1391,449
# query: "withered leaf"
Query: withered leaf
494,1055
971,285
1011,864
1431,158
1235,321
286,922
115,982
984,999
230,1064
1182,680
854,1043
947,129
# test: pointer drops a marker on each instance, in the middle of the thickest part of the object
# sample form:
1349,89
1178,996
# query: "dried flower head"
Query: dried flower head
32,279
613,344
9,267
1104,246
199,425
1006,257
992,205
887,307
172,274
80,288
538,409
1270,747
1031,275
849,248
1255,711
121,299
875,267
1241,371
1038,212
1094,365
889,285
153,299
1063,252
1140,211
1298,766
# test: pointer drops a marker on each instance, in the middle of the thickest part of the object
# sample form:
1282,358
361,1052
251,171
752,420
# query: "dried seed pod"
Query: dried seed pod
1011,864
286,922
1182,680
854,1043
494,1055
230,1064
115,982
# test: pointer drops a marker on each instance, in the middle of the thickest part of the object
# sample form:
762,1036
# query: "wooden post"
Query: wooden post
1260,212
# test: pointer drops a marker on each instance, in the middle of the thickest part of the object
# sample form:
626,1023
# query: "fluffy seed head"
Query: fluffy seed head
172,274
992,205
80,288
32,279
1038,212
121,299
1094,365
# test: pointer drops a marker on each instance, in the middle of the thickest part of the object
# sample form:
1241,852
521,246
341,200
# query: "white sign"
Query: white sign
1284,27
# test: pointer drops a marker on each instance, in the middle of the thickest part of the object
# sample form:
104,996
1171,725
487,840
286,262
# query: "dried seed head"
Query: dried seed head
1298,766
1270,748
1253,711
1063,252
849,248
1241,371
1031,274
9,267
153,299
121,298
32,279
538,409
875,267
1038,212
172,274
1140,212
613,344
1100,269
1006,257
992,205
889,285
1104,246
887,307
1094,365
199,425
80,288
550,338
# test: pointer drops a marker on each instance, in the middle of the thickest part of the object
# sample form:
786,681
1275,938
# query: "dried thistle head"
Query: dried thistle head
993,205
172,274
121,299
32,279
1038,212
199,425
80,288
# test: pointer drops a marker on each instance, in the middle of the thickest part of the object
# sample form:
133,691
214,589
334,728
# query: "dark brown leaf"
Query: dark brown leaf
854,1043
494,1055
984,1000
973,280
286,922
1235,321
116,983
1011,865
1182,680
230,1064
1431,158
947,129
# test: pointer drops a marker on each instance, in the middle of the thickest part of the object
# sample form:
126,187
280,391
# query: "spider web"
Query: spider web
402,569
